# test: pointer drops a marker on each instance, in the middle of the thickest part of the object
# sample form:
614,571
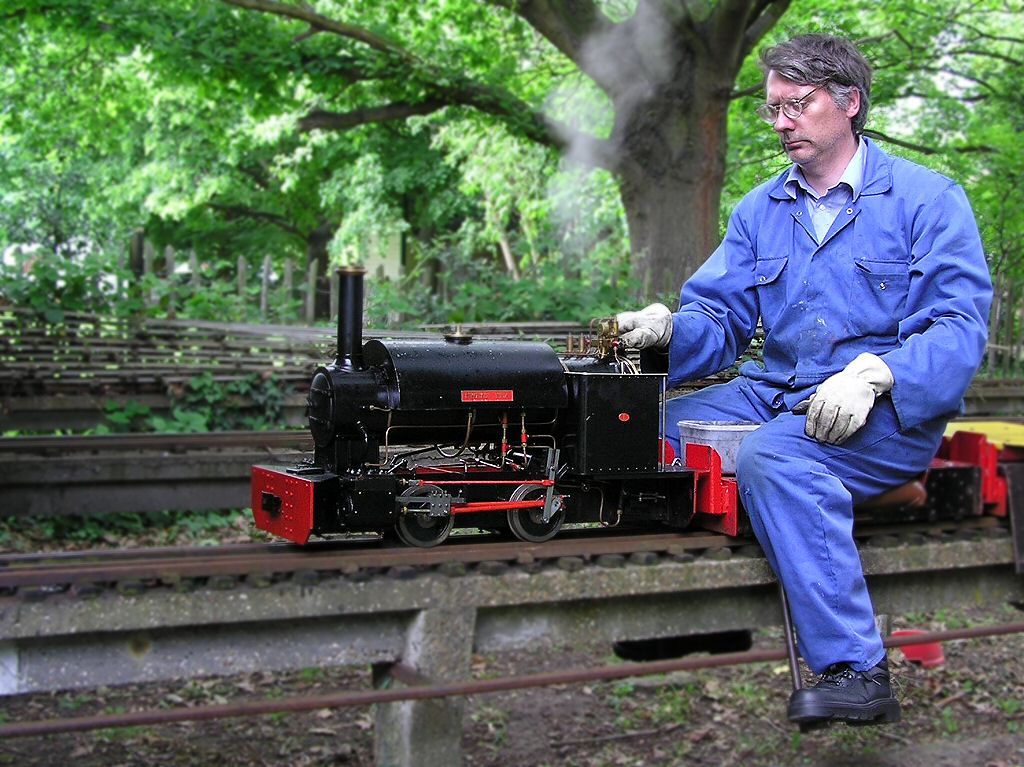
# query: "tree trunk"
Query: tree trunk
316,250
671,176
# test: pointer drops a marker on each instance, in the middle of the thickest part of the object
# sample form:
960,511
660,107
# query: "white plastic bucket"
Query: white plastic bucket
724,436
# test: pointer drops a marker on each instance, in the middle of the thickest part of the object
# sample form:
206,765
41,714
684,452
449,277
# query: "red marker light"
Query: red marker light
623,417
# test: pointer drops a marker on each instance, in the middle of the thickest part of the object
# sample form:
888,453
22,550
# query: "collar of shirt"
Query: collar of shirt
853,177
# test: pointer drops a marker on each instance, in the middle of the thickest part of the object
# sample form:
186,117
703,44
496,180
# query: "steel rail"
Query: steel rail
171,442
98,566
450,689
223,561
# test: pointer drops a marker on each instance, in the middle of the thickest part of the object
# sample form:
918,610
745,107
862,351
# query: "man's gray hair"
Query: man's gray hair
832,62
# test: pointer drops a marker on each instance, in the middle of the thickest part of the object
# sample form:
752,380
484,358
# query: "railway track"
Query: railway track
367,555
171,443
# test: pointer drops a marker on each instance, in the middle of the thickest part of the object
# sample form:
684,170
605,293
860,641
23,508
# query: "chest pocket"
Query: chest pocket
878,296
771,289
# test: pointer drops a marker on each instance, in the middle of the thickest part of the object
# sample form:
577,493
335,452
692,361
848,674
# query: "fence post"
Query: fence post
1018,348
136,253
311,293
242,276
265,287
1009,316
169,267
148,259
289,293
193,266
993,327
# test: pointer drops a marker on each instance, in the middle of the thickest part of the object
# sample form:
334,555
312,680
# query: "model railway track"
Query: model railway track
169,565
72,445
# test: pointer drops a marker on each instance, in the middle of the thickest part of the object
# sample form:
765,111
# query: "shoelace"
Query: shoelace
836,673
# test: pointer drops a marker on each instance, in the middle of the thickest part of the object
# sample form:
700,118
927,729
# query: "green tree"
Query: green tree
639,90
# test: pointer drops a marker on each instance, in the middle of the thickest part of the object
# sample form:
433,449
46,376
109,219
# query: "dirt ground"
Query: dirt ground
969,712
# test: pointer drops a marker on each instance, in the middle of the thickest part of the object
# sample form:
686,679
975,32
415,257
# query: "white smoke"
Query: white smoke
623,67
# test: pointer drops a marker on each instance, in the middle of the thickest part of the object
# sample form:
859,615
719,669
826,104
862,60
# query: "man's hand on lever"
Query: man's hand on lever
649,328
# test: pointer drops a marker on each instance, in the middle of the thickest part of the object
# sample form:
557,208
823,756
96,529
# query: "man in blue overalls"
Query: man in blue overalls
867,274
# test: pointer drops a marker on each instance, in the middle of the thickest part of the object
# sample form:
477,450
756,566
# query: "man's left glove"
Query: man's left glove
649,328
842,402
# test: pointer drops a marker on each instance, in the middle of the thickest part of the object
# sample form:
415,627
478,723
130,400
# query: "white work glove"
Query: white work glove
841,404
651,327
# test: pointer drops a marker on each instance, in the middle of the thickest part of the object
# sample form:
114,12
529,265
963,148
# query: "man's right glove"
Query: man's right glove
651,327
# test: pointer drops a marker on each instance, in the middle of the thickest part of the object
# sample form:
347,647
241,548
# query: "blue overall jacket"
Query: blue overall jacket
901,274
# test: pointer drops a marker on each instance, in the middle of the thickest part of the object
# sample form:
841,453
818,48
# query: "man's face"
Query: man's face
821,131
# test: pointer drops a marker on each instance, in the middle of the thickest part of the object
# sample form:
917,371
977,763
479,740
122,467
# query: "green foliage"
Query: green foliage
125,417
252,403
53,283
25,533
183,119
471,290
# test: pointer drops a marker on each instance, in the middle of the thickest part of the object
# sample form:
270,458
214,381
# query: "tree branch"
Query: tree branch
764,16
323,23
987,54
966,149
462,92
566,24
398,110
241,211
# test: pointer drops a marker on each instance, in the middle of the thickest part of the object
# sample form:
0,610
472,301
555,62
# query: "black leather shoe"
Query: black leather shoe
845,695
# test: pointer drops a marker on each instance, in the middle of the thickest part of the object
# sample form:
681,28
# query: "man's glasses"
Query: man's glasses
792,108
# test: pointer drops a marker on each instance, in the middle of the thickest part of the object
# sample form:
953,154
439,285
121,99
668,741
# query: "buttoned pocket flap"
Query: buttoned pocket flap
767,271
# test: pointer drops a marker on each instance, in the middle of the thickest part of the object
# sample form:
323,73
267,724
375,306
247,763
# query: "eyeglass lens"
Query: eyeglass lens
792,108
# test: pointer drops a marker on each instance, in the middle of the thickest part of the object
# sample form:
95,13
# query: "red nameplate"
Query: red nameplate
488,395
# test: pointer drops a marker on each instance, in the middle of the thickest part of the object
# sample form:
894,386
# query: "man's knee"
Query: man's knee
754,457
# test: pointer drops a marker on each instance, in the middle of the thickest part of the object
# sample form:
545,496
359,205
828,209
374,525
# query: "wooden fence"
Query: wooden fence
1004,356
286,285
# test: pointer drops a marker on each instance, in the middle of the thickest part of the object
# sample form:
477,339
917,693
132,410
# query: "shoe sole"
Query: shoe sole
876,712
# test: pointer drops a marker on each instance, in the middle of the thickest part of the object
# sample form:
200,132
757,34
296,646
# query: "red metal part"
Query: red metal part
293,519
668,452
714,496
487,395
517,482
975,450
465,508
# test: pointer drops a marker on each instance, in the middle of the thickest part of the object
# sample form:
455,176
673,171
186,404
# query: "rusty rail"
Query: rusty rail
452,689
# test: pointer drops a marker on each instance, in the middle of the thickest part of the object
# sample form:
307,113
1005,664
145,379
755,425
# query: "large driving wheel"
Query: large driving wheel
528,524
419,528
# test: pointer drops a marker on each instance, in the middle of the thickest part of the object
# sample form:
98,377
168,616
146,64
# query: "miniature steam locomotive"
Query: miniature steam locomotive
415,437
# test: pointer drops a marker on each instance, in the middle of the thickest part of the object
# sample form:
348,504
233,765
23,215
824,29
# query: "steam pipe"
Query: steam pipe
350,318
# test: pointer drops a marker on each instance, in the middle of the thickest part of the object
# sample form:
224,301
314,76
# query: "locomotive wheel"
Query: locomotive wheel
528,524
419,528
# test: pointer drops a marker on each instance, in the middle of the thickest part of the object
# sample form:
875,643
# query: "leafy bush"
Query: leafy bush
253,403
54,283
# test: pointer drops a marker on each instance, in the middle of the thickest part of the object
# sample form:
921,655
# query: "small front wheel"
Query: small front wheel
420,528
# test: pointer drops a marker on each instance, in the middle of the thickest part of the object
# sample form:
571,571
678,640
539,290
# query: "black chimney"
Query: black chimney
350,318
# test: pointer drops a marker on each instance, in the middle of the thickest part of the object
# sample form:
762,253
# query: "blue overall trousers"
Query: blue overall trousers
800,493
